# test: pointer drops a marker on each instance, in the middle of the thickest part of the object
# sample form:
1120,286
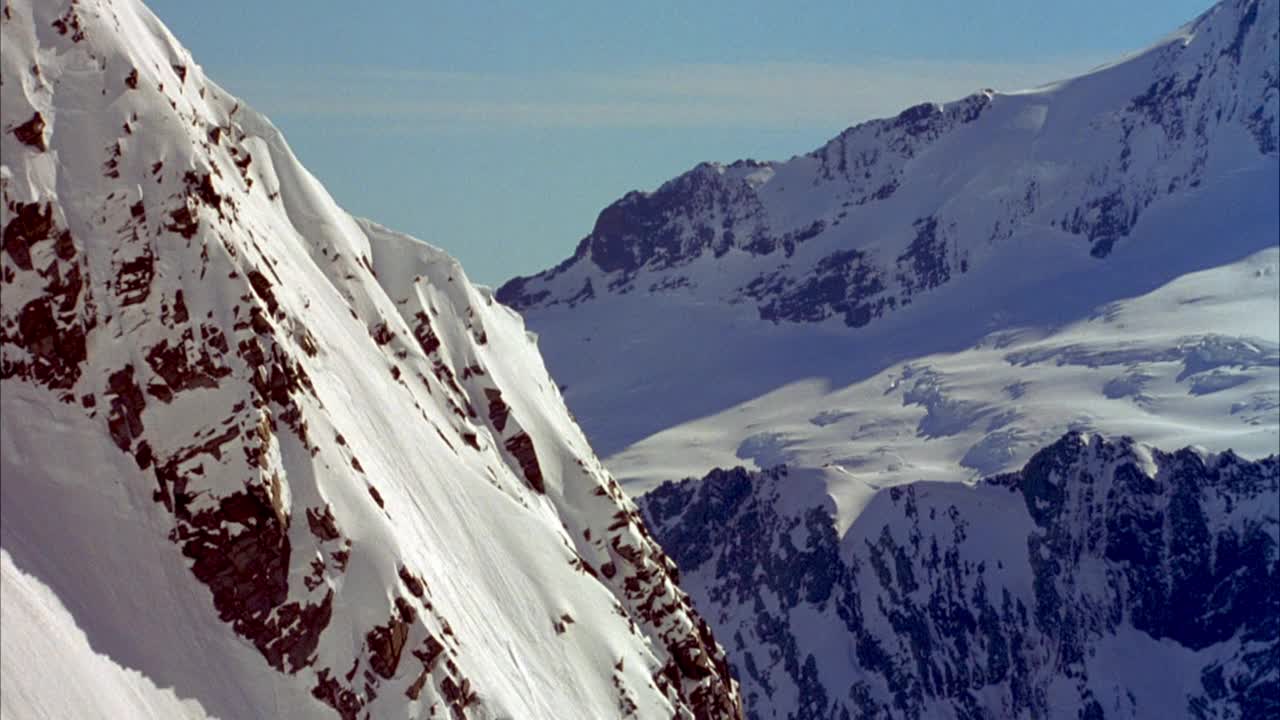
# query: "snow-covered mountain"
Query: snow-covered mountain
263,459
909,319
1105,579
946,291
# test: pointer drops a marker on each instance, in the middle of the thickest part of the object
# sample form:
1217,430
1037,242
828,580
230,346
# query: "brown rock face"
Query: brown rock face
330,692
179,375
31,223
322,524
184,222
127,403
48,331
133,278
386,643
425,335
499,411
31,132
521,447
248,573
415,585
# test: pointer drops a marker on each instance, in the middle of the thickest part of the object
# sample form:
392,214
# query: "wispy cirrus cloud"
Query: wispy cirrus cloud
758,95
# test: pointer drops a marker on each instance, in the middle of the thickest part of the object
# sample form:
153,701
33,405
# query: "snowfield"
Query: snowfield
1196,361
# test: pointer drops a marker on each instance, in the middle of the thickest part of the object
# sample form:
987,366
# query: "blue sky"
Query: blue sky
498,131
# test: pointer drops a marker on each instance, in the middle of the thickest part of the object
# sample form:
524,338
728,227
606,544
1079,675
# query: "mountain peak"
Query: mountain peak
906,195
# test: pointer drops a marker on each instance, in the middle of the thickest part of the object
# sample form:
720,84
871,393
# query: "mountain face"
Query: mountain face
1105,579
893,209
909,319
944,292
263,459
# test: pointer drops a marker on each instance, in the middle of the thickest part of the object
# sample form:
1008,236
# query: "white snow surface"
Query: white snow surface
1172,338
50,671
206,361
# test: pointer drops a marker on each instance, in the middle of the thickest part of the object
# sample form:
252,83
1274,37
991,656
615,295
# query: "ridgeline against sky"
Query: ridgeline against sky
500,133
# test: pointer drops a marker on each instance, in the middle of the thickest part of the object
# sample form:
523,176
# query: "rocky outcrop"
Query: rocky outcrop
1017,597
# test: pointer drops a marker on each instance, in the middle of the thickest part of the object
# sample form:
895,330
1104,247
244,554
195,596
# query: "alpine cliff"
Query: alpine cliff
1105,579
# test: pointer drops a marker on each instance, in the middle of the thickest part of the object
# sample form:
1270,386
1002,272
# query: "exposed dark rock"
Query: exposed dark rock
171,364
844,283
184,222
1189,559
385,643
133,278
31,133
69,24
322,524
343,700
29,224
412,582
262,288
927,262
247,570
382,334
498,410
425,335
127,403
521,448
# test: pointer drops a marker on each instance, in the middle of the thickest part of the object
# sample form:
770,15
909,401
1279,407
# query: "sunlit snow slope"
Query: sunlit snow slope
262,459
938,294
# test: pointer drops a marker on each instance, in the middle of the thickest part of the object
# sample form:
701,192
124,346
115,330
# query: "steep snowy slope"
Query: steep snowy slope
964,282
1105,579
261,459
40,643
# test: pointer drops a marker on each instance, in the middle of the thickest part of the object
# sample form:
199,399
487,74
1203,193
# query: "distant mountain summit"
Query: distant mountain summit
893,209
985,274
942,352
263,459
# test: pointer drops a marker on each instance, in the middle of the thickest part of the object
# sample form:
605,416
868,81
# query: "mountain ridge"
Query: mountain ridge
644,239
1022,595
